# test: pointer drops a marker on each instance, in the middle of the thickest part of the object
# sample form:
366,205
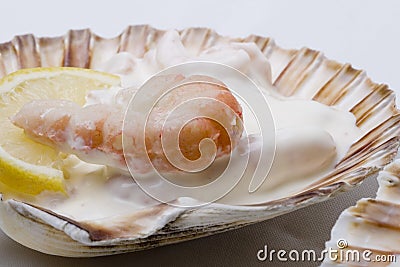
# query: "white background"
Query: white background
363,33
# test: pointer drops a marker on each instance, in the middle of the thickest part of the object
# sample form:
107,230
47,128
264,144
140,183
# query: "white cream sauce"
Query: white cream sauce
310,139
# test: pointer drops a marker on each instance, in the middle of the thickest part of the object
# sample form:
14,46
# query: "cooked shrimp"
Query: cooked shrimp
94,132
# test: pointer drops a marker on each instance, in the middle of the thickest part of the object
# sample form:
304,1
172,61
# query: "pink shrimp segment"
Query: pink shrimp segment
94,132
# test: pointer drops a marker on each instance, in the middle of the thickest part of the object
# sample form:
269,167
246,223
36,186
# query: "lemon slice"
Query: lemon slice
27,166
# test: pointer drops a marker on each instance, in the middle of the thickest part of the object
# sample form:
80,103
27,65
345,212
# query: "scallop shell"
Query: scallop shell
305,73
371,225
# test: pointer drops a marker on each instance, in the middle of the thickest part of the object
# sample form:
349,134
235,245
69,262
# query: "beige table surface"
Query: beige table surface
364,33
